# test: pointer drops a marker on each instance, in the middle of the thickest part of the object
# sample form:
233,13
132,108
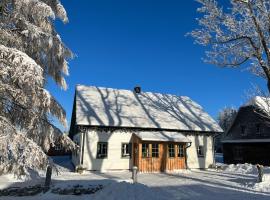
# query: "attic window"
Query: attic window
243,130
258,129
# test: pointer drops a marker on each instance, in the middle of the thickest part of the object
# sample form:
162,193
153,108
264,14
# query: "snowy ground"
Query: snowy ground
234,182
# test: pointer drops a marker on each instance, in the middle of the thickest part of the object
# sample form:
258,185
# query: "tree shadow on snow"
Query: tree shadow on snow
213,182
209,192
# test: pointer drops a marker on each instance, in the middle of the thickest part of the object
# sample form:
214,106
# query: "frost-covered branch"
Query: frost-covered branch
18,154
238,35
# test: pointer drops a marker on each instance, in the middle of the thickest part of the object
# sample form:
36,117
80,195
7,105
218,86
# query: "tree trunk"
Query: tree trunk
268,85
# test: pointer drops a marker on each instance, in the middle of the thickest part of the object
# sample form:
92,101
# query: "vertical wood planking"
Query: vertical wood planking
163,162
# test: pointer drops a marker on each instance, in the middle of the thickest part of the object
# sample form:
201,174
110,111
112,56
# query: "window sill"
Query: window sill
126,157
101,158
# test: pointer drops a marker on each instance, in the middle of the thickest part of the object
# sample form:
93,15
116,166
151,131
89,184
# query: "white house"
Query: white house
117,129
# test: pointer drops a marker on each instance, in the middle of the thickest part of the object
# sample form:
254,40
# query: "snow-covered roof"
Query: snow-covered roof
163,136
262,103
98,106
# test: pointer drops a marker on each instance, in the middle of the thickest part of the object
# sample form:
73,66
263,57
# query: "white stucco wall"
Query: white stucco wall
193,160
114,161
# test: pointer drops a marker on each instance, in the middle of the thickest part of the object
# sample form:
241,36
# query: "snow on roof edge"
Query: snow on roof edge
262,103
162,136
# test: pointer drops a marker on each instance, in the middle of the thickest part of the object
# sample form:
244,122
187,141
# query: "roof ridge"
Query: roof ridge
130,90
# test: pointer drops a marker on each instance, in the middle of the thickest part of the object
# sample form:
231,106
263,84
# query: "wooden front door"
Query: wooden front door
176,156
152,157
159,157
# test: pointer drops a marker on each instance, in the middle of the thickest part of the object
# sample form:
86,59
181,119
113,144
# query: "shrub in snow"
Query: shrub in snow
30,52
79,169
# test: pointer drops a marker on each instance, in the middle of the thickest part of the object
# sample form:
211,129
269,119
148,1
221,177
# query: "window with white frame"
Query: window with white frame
180,152
126,150
145,150
155,150
58,147
200,151
171,150
102,149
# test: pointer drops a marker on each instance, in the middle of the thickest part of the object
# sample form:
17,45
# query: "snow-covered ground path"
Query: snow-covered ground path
204,185
191,185
234,182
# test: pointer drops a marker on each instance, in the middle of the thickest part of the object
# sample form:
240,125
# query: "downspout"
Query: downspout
189,145
82,155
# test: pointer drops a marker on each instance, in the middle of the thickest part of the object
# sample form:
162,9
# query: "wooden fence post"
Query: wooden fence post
134,174
260,173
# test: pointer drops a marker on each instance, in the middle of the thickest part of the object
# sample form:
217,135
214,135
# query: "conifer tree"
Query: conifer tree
31,51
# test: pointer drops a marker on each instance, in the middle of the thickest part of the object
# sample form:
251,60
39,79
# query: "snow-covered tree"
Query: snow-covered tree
225,119
31,51
237,36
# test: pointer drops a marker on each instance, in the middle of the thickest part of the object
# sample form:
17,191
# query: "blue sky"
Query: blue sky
120,44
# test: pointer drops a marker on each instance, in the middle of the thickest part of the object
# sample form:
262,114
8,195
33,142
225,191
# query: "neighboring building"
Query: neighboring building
58,150
248,139
119,129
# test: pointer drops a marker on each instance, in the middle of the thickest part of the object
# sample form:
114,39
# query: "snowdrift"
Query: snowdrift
125,190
